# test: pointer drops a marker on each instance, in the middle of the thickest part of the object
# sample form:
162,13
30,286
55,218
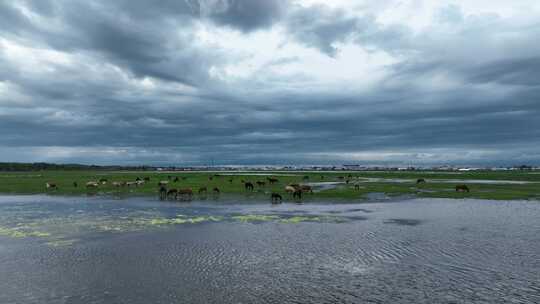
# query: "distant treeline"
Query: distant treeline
48,166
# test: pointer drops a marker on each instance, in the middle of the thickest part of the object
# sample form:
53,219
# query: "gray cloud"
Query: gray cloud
97,108
245,15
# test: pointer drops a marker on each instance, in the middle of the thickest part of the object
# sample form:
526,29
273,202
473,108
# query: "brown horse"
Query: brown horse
261,184
306,188
185,194
272,180
462,188
276,198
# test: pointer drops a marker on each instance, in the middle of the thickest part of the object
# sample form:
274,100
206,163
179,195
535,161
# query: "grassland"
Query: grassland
390,184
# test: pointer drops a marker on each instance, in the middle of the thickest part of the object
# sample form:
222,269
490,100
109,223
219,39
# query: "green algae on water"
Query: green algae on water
300,219
19,232
255,218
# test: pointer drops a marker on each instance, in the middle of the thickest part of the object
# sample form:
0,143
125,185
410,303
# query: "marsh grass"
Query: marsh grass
34,183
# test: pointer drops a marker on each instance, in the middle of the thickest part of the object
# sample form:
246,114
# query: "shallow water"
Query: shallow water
439,180
95,250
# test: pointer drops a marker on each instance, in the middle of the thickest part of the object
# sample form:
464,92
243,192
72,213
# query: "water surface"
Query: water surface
96,250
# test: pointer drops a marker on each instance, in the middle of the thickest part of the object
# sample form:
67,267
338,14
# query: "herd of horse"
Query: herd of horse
186,194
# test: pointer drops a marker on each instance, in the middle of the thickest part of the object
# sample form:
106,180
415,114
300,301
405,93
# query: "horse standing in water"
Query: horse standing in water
162,193
297,194
185,194
276,198
172,193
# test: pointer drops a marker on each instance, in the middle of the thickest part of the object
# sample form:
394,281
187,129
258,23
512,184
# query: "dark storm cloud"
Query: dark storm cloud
96,108
247,15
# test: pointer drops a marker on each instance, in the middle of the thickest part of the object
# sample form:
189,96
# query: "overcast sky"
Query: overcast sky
186,82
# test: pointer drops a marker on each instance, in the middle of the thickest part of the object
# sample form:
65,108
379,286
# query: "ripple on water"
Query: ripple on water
414,252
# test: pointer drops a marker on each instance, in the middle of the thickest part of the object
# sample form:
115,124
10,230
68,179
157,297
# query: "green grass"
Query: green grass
34,183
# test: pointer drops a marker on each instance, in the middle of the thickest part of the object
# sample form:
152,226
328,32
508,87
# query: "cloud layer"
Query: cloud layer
267,82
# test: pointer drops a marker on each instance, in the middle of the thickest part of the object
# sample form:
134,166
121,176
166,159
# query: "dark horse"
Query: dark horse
216,191
260,184
172,193
203,190
297,194
420,181
276,198
248,186
162,193
462,188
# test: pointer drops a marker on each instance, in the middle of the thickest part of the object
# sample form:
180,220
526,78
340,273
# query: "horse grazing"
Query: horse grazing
272,180
176,179
290,189
185,194
306,188
51,186
462,188
103,181
420,181
230,180
356,187
216,191
92,184
147,179
248,186
75,185
276,198
261,184
306,177
116,184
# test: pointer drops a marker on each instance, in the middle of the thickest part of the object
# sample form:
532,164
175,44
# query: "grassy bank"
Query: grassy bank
439,184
